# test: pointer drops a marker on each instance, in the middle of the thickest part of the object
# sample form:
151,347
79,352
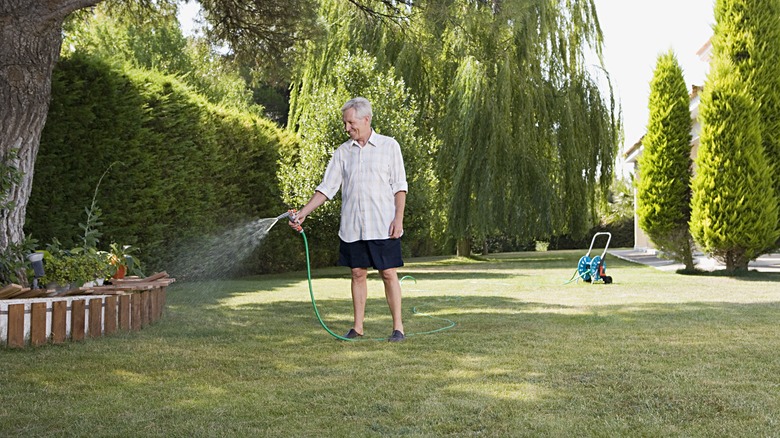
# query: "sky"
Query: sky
635,33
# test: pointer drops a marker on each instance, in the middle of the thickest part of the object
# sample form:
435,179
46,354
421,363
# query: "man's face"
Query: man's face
357,128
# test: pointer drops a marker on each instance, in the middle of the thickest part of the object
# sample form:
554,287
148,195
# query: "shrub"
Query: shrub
189,168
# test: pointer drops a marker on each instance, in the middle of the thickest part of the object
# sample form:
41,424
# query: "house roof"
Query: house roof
695,90
705,51
633,148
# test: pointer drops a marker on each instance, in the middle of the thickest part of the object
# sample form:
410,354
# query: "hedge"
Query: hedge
188,169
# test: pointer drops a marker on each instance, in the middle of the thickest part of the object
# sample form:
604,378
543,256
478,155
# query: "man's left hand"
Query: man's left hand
396,229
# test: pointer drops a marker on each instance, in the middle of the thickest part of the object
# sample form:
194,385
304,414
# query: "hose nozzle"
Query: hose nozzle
284,215
290,214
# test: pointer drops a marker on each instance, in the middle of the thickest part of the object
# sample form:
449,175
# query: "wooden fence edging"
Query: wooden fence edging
38,321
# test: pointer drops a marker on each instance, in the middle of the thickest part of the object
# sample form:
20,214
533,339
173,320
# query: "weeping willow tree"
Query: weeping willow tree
321,131
525,126
522,137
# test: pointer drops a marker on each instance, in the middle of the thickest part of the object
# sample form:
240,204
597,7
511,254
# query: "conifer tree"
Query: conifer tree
663,190
732,217
747,32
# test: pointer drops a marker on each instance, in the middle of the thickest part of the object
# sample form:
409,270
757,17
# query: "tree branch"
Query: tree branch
395,14
62,8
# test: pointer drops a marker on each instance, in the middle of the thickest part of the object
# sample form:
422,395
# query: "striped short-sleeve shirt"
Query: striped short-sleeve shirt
369,177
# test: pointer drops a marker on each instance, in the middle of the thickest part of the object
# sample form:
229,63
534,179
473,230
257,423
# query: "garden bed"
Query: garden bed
129,304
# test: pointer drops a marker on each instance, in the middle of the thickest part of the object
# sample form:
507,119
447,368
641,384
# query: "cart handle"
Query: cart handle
609,238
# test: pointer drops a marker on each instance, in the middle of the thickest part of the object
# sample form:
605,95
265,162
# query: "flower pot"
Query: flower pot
121,270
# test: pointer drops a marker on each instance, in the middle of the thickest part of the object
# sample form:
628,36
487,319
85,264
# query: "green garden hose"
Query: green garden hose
450,325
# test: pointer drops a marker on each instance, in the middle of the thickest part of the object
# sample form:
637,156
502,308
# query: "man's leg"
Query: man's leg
359,295
393,295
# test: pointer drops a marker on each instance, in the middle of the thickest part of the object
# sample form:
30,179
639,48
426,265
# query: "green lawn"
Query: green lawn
654,354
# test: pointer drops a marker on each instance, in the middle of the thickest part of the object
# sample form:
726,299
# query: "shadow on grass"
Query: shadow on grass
510,356
749,275
483,315
268,369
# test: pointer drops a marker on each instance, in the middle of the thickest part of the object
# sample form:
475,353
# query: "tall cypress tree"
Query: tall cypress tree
747,33
663,191
732,217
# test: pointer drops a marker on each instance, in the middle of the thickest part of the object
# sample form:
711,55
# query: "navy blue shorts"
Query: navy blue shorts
379,254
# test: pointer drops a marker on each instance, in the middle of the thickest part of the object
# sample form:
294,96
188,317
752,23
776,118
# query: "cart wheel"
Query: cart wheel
607,280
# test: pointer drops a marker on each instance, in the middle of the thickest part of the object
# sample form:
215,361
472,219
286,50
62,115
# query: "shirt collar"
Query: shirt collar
372,140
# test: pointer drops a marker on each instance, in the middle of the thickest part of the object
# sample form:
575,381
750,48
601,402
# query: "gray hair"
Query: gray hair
361,105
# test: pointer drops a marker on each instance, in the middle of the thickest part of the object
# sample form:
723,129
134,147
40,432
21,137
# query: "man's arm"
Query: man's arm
316,200
397,226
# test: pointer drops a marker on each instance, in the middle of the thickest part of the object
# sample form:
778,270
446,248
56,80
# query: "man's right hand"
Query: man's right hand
296,219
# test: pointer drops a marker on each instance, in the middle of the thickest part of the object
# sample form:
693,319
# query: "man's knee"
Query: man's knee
389,274
359,274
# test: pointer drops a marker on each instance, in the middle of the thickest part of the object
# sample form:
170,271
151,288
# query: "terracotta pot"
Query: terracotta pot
120,272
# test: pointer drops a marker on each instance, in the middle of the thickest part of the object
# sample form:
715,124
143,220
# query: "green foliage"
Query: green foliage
524,140
746,33
190,168
14,266
321,131
91,232
154,42
663,190
261,33
157,43
622,232
619,205
73,267
542,137
732,216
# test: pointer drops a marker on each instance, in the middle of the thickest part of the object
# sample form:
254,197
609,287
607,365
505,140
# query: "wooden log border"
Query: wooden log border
40,321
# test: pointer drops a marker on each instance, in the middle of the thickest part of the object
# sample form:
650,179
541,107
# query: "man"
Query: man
369,170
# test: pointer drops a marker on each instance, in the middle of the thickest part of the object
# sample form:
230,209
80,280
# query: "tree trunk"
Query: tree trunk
464,247
687,251
736,263
687,259
30,40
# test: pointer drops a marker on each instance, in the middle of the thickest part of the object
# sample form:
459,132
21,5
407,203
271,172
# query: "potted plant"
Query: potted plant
65,271
105,267
124,261
69,269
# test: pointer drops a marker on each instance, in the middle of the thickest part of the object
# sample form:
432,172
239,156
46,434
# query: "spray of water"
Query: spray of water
221,255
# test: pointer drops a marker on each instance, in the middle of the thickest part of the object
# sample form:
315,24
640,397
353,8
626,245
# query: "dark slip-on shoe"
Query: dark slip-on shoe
397,336
352,334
